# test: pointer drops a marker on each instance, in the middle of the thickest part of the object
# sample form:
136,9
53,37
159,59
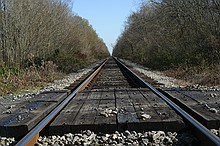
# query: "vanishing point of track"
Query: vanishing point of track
112,77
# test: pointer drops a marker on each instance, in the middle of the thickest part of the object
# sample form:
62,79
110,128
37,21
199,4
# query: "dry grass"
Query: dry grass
197,75
28,79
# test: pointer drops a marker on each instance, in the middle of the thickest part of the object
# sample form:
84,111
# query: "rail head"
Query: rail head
213,139
31,137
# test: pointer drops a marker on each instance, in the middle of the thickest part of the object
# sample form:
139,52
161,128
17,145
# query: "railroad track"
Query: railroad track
114,98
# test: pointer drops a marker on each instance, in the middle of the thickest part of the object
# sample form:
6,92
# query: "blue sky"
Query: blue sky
107,17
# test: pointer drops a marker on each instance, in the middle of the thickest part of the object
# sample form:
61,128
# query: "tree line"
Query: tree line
34,31
171,33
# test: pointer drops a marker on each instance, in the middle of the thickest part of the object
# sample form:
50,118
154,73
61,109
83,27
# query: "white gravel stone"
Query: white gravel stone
166,81
56,85
15,99
69,79
169,82
6,141
108,112
145,116
213,110
120,139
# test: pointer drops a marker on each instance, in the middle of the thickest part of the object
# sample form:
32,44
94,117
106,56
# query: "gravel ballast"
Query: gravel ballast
169,82
8,103
6,141
118,139
127,138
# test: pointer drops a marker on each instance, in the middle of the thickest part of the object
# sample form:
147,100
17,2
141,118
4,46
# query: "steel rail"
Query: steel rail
212,139
32,136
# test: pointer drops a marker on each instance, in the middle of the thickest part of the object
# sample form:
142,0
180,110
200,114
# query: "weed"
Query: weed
15,79
208,76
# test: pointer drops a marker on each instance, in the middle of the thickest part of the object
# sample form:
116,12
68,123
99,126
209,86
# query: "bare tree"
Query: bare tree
44,29
172,32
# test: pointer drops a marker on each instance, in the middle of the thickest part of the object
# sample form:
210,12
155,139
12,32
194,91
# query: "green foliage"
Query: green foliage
4,71
68,63
17,79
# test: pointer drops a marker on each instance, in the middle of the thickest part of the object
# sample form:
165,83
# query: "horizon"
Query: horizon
107,18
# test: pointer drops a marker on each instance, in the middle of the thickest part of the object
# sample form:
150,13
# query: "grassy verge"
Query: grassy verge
206,76
14,80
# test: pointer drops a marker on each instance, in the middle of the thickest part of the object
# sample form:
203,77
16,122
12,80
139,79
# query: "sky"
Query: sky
107,17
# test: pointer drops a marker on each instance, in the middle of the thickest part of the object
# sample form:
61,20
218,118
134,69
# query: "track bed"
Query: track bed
110,110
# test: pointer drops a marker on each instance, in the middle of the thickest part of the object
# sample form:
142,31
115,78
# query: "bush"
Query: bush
166,34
